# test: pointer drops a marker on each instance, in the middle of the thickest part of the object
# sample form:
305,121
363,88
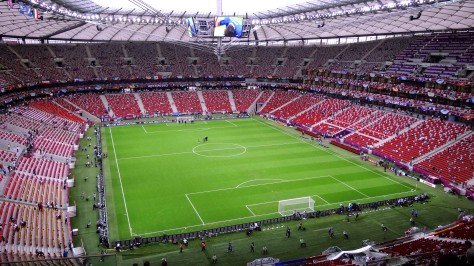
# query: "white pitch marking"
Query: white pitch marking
249,210
276,179
190,152
231,123
192,205
230,188
350,186
259,215
144,129
334,154
120,179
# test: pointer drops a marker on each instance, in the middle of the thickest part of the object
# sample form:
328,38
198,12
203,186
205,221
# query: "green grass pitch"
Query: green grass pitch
166,180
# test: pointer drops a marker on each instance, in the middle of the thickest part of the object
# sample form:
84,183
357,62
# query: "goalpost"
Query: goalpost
290,206
182,119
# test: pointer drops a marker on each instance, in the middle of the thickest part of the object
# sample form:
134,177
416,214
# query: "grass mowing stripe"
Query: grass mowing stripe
221,149
159,188
190,129
120,179
334,154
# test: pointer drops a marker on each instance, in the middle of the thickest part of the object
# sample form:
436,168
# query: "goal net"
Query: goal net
182,119
290,206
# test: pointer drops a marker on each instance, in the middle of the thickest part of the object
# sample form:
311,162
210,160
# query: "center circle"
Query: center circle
219,150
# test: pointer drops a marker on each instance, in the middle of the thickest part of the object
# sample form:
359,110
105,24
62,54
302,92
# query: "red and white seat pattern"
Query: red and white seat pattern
388,126
90,103
32,189
420,140
43,167
43,231
187,102
11,137
59,135
362,140
350,116
217,101
373,116
320,112
264,96
49,118
327,129
156,102
52,108
51,147
66,104
7,157
455,163
123,104
278,99
20,121
426,245
244,98
297,106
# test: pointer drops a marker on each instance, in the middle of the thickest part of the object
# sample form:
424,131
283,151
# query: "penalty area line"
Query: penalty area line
192,205
333,153
246,206
358,191
231,123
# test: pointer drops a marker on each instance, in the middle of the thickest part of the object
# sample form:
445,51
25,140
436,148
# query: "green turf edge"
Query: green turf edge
429,216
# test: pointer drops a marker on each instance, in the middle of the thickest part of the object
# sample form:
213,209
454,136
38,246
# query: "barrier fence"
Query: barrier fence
175,238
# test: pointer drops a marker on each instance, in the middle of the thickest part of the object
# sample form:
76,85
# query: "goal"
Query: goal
182,119
290,206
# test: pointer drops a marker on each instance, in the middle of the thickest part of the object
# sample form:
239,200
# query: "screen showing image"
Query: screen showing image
228,27
192,31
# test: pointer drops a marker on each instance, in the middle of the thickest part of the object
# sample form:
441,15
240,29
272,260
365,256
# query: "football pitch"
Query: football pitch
166,180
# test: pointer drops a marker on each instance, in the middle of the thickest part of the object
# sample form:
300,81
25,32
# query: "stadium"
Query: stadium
237,133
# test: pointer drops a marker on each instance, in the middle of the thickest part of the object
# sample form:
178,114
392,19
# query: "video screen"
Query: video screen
228,26
192,31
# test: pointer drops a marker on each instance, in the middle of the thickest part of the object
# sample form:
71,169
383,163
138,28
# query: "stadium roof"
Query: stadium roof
141,20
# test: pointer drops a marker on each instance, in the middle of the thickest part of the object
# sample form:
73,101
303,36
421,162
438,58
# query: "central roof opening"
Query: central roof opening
205,6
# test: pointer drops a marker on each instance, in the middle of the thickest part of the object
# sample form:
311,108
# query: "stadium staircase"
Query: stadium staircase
158,49
140,103
195,66
268,100
85,114
376,145
170,99
331,117
201,100
65,109
285,104
231,100
106,104
88,51
342,51
443,147
124,50
252,107
277,68
373,49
